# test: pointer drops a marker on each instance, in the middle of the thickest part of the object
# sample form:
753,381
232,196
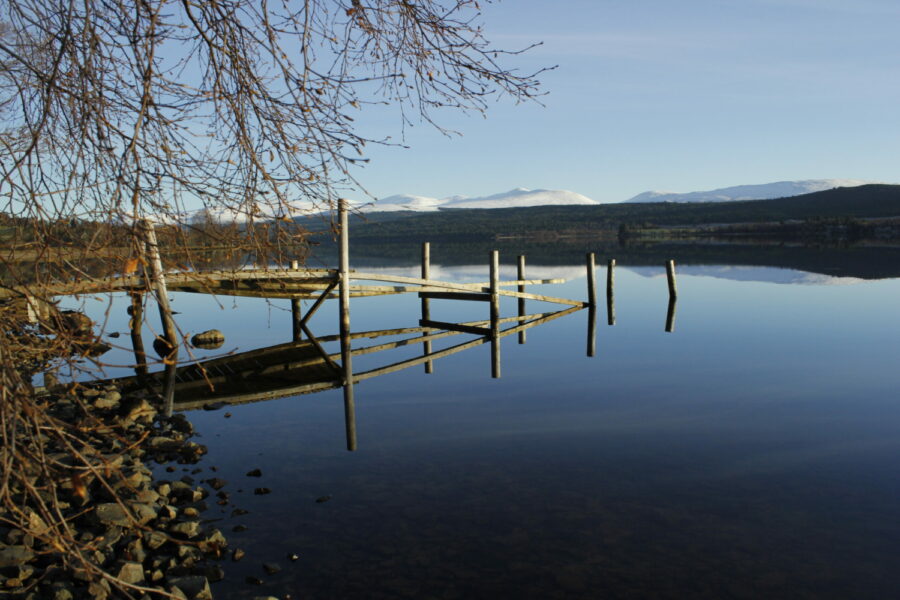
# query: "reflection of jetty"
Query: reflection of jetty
302,365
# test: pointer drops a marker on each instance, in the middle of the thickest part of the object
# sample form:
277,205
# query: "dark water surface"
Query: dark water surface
752,453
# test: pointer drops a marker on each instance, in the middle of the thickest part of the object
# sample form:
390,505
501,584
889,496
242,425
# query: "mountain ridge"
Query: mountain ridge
759,191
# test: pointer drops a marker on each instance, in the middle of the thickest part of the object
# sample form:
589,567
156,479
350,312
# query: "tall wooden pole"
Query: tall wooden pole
591,279
495,314
296,314
158,285
346,356
426,303
670,275
670,315
137,339
520,275
592,331
610,291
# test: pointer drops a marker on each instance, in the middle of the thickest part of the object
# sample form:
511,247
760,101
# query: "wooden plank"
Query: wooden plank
541,298
475,297
312,309
455,327
399,366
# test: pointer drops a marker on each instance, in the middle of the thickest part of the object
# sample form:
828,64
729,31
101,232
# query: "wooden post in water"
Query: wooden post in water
520,275
296,315
670,315
610,291
346,356
670,275
158,284
426,303
495,314
137,340
592,331
591,279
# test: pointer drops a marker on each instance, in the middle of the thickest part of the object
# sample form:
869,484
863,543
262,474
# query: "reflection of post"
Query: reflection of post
592,331
426,308
610,291
670,275
137,340
520,275
670,315
495,314
158,283
591,281
296,315
346,357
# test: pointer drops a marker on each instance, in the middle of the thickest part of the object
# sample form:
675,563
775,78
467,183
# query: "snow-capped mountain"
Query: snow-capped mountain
518,197
764,191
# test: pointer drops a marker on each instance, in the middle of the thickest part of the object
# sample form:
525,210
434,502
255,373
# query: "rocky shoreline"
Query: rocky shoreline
103,526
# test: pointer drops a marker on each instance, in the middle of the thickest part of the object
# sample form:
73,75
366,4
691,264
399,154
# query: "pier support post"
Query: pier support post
670,315
296,314
158,284
346,356
610,292
495,314
426,303
591,279
137,340
670,275
520,275
592,331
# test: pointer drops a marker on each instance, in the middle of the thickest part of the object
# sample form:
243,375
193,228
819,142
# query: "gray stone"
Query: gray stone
155,539
14,556
271,568
195,587
61,593
216,483
188,529
213,541
99,590
209,339
112,514
144,513
177,593
108,400
131,572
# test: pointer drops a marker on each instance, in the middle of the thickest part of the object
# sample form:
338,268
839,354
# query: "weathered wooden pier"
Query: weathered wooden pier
303,365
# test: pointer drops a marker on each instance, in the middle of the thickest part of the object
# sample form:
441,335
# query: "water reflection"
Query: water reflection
304,367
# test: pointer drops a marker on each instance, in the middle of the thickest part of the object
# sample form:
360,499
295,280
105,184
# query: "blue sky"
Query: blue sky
677,96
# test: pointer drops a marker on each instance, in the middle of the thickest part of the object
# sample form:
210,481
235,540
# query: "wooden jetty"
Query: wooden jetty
303,366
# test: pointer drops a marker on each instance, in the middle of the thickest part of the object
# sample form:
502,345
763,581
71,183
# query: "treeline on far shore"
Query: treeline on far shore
864,212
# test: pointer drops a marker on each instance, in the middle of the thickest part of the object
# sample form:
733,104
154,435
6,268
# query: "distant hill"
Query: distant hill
518,197
861,202
763,191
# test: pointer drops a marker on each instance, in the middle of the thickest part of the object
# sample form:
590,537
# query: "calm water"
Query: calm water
751,453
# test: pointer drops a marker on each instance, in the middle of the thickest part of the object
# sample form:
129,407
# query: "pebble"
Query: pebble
261,491
254,473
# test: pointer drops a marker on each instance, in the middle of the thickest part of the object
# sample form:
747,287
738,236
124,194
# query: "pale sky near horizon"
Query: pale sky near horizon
678,96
